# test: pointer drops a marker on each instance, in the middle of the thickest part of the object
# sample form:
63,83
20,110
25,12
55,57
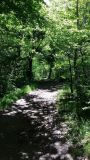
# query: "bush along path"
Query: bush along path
31,129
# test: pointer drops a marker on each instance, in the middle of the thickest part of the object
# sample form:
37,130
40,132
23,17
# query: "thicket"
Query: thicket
40,41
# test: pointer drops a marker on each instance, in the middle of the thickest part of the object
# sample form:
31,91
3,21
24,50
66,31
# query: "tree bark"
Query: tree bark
71,79
30,73
77,13
83,66
50,72
75,67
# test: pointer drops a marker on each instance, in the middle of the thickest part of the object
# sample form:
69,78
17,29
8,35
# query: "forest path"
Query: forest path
31,128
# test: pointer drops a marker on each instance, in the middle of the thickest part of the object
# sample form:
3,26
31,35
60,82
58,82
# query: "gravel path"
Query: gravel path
32,129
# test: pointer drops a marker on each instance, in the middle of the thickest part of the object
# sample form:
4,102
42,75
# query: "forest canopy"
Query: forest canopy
48,41
44,40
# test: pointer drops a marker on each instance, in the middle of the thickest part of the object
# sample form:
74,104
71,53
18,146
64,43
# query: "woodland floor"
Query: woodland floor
32,129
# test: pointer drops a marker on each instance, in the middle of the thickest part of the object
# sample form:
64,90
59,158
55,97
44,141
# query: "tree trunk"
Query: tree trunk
30,73
77,13
50,72
83,66
71,79
75,68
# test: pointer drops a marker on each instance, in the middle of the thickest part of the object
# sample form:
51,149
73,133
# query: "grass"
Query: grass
11,97
79,132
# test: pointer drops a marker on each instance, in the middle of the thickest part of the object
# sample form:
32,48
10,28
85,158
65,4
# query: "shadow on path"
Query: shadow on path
32,129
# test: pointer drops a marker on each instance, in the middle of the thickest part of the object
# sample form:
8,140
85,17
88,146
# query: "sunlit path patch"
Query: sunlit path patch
32,129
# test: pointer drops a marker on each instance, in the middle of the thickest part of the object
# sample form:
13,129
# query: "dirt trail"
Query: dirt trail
32,129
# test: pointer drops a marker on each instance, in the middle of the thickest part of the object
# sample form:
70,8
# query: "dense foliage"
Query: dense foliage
21,29
47,41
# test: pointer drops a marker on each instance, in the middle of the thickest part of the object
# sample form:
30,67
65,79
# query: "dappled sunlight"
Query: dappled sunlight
34,129
44,80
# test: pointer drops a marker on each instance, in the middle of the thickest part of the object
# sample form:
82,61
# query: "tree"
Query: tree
71,37
19,22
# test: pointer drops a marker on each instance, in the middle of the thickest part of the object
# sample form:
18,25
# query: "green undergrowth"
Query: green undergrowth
11,97
79,133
